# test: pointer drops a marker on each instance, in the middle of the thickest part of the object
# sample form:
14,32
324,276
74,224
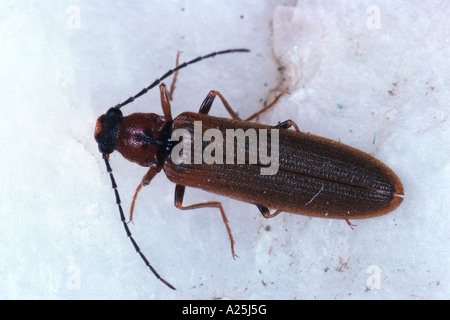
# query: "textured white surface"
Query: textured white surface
378,85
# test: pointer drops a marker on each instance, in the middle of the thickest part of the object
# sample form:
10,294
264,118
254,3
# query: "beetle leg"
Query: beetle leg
266,213
287,124
207,103
145,181
165,101
266,108
175,75
179,194
351,225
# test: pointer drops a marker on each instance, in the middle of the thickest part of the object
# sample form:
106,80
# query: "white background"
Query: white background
371,75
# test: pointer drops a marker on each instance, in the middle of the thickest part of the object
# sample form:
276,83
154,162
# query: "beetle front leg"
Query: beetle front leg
179,195
175,76
165,101
145,181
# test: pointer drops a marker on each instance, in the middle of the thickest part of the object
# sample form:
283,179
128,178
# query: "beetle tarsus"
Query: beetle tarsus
351,225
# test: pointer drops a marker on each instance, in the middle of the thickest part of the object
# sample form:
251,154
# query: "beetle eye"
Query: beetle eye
114,114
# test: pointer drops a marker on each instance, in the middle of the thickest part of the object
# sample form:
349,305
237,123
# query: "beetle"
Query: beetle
315,176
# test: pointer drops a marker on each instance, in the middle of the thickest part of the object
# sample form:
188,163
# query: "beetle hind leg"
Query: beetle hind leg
268,107
351,225
179,195
266,213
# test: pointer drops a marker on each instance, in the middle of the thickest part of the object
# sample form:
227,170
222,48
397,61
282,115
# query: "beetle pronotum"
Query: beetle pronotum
315,176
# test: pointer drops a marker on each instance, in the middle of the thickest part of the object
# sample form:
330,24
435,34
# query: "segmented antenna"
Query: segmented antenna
170,72
127,230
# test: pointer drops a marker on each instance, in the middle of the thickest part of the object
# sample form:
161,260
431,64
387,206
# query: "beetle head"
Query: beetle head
106,130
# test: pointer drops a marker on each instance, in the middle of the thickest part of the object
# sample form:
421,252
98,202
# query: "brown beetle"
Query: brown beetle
314,176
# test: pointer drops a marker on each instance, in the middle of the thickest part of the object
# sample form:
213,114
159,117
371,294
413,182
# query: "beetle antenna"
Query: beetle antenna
127,230
170,72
